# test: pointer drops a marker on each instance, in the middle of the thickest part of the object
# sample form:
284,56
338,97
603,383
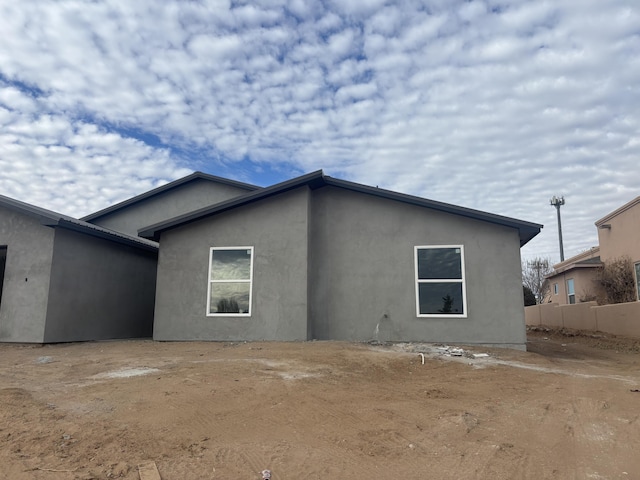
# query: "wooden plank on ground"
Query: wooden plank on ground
148,471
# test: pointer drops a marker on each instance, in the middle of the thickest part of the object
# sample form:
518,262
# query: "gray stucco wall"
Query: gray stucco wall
277,228
99,290
26,280
182,199
362,278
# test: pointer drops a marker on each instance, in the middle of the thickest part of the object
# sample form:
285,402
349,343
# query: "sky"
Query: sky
492,105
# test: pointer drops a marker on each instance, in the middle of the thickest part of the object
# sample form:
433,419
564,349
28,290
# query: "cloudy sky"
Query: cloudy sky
489,104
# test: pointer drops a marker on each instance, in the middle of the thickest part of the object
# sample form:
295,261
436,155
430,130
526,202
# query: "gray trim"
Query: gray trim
52,219
317,179
167,187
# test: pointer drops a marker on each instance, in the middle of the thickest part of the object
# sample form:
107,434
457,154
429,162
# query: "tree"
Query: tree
529,297
617,279
533,277
447,303
228,305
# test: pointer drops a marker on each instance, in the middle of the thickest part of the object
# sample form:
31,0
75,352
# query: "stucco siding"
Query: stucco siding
23,304
622,237
183,199
277,228
99,290
362,275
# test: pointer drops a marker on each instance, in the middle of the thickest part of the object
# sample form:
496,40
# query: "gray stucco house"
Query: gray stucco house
185,195
63,280
321,258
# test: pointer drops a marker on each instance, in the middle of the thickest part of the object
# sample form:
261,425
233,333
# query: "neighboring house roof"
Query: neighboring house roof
602,222
167,187
587,259
316,180
52,219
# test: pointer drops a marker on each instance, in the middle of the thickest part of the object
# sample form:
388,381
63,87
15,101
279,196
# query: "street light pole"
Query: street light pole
558,202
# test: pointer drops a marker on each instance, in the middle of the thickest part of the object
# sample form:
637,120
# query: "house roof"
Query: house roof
316,180
165,188
587,259
52,219
617,211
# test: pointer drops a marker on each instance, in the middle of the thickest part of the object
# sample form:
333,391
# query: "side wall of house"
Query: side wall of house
584,283
362,273
623,238
23,301
277,228
172,203
99,290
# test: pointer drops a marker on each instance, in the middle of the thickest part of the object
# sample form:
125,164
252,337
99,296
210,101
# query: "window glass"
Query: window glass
638,279
440,298
440,287
230,281
571,291
439,263
229,298
230,264
555,288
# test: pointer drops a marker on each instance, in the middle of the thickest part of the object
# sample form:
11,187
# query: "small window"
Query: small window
638,279
571,293
440,286
230,281
555,289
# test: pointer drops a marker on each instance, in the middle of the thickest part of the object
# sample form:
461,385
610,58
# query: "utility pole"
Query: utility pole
558,202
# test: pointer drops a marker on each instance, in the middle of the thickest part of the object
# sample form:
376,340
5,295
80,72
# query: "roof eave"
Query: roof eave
105,235
165,188
526,230
153,232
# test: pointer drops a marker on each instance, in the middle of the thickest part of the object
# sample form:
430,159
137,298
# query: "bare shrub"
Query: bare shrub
616,277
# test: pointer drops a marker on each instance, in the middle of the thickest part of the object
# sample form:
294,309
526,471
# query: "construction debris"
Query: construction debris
148,471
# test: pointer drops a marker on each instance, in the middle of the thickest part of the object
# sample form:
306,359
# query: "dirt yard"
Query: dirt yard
567,409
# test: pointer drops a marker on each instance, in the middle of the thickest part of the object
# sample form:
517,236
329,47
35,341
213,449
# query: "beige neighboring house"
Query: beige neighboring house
574,280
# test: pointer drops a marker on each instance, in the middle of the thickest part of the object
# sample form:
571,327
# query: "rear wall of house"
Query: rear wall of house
172,203
23,301
99,290
362,273
277,228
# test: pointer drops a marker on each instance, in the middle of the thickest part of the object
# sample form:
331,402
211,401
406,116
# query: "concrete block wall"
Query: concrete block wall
617,319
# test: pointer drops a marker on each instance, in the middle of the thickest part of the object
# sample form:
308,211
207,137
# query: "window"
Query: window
230,281
555,288
571,293
440,287
638,279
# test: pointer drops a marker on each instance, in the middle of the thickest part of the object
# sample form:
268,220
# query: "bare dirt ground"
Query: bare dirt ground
567,409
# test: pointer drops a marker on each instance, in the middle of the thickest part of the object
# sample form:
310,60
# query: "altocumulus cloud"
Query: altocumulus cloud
495,105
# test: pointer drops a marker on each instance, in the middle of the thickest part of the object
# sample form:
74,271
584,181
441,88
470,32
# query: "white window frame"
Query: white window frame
555,289
449,280
210,282
569,294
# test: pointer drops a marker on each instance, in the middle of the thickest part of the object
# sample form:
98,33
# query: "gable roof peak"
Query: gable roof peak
166,187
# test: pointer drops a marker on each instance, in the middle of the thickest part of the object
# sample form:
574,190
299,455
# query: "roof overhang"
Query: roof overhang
314,180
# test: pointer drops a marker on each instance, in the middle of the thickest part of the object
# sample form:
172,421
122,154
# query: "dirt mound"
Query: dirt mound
320,410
